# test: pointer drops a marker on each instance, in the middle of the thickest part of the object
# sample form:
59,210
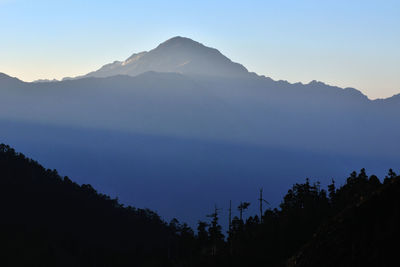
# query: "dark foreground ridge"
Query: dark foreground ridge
366,233
47,220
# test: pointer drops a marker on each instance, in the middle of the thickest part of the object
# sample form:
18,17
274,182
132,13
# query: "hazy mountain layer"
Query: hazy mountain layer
253,110
171,175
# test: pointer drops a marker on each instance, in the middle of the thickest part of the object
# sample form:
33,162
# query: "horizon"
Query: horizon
341,44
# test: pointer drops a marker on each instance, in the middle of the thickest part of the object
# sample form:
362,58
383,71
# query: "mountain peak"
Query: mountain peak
179,41
179,46
178,54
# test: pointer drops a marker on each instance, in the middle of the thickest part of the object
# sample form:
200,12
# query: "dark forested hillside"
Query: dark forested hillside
47,220
366,233
353,225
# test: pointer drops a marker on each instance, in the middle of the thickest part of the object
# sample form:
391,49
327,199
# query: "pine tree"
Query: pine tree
242,207
332,191
215,231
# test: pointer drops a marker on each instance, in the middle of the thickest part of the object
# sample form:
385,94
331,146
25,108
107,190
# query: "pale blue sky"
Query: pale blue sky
345,43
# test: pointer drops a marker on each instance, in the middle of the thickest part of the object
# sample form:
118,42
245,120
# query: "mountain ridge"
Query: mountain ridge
185,56
314,83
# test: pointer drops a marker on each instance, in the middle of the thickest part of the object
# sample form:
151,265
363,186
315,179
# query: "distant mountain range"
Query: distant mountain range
183,90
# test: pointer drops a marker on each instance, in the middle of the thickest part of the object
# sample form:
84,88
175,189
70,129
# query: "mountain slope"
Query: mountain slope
8,82
178,54
48,220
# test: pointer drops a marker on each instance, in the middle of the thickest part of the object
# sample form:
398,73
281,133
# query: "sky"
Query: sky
349,43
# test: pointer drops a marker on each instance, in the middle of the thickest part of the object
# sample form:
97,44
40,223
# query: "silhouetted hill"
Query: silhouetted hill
353,225
363,234
47,220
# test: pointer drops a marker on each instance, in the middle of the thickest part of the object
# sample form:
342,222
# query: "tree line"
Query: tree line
276,234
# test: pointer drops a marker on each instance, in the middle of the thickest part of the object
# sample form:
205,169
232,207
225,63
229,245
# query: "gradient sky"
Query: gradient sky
345,43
